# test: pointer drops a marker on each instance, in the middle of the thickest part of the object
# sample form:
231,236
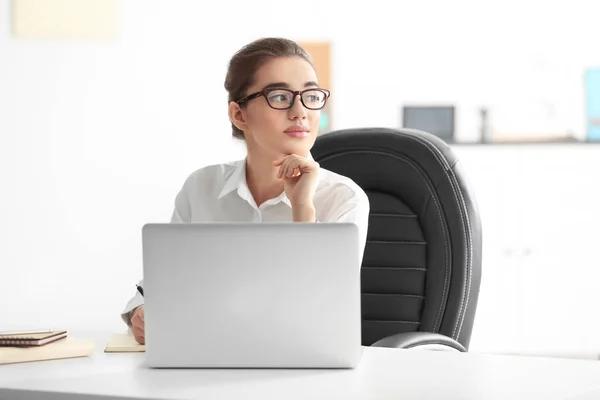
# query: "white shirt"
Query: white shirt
219,193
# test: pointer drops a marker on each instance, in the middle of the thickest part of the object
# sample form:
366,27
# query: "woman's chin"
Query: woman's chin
297,148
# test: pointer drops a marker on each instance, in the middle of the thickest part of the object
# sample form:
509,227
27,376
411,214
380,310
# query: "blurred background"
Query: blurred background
106,106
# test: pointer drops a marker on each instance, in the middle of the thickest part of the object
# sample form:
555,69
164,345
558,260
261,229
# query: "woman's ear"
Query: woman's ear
237,116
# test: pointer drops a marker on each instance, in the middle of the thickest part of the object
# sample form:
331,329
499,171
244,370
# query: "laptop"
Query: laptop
252,295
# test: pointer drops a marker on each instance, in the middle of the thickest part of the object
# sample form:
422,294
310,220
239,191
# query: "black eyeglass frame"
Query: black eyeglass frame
295,93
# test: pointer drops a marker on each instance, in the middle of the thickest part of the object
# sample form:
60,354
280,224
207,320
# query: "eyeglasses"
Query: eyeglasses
283,99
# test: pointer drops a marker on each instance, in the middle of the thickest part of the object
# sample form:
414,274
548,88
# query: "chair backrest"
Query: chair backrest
421,269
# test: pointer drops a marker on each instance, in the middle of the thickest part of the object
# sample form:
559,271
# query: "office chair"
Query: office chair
421,268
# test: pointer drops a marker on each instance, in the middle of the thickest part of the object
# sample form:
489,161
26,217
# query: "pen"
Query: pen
27,332
140,289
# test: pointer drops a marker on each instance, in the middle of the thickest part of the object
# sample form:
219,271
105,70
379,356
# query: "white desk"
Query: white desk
382,374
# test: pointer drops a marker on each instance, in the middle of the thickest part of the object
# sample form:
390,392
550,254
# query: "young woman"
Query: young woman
274,106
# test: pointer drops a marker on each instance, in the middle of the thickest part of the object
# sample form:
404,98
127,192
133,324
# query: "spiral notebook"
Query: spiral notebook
31,339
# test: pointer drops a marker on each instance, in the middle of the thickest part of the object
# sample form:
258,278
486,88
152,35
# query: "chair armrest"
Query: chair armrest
420,341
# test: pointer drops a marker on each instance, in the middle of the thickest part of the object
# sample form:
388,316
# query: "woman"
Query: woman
274,106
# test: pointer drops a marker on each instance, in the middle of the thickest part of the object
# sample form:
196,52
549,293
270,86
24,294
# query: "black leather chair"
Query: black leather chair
422,263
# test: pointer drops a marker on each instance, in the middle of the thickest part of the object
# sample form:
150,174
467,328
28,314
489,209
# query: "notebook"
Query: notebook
31,339
123,343
63,348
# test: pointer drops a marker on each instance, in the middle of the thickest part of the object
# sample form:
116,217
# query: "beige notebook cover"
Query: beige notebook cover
123,343
63,348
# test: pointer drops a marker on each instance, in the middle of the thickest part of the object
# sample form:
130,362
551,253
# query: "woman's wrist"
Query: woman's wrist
304,213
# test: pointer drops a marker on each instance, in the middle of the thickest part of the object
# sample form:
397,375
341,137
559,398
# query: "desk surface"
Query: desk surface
382,374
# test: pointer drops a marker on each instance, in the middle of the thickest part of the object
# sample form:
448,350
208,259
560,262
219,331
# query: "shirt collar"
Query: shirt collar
237,180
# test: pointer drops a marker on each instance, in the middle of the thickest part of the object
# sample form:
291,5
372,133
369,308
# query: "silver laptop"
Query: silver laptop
248,295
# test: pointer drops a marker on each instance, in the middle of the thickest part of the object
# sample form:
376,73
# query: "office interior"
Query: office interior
86,110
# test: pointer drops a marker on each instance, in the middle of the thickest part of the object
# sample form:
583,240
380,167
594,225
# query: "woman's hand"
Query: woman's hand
137,325
300,177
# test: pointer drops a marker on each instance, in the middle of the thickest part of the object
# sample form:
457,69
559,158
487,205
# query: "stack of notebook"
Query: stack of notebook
39,346
31,339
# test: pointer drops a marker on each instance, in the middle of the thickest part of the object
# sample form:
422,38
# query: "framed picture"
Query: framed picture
437,120
592,103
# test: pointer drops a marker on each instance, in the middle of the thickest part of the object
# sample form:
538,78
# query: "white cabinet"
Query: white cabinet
540,208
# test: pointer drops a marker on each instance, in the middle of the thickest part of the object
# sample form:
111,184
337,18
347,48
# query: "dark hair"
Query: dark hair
246,61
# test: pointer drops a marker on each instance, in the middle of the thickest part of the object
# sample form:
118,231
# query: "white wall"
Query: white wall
97,137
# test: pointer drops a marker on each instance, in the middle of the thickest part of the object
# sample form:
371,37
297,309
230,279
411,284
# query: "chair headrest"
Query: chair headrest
429,151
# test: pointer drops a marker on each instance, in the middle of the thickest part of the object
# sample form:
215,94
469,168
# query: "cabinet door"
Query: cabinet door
540,210
560,274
